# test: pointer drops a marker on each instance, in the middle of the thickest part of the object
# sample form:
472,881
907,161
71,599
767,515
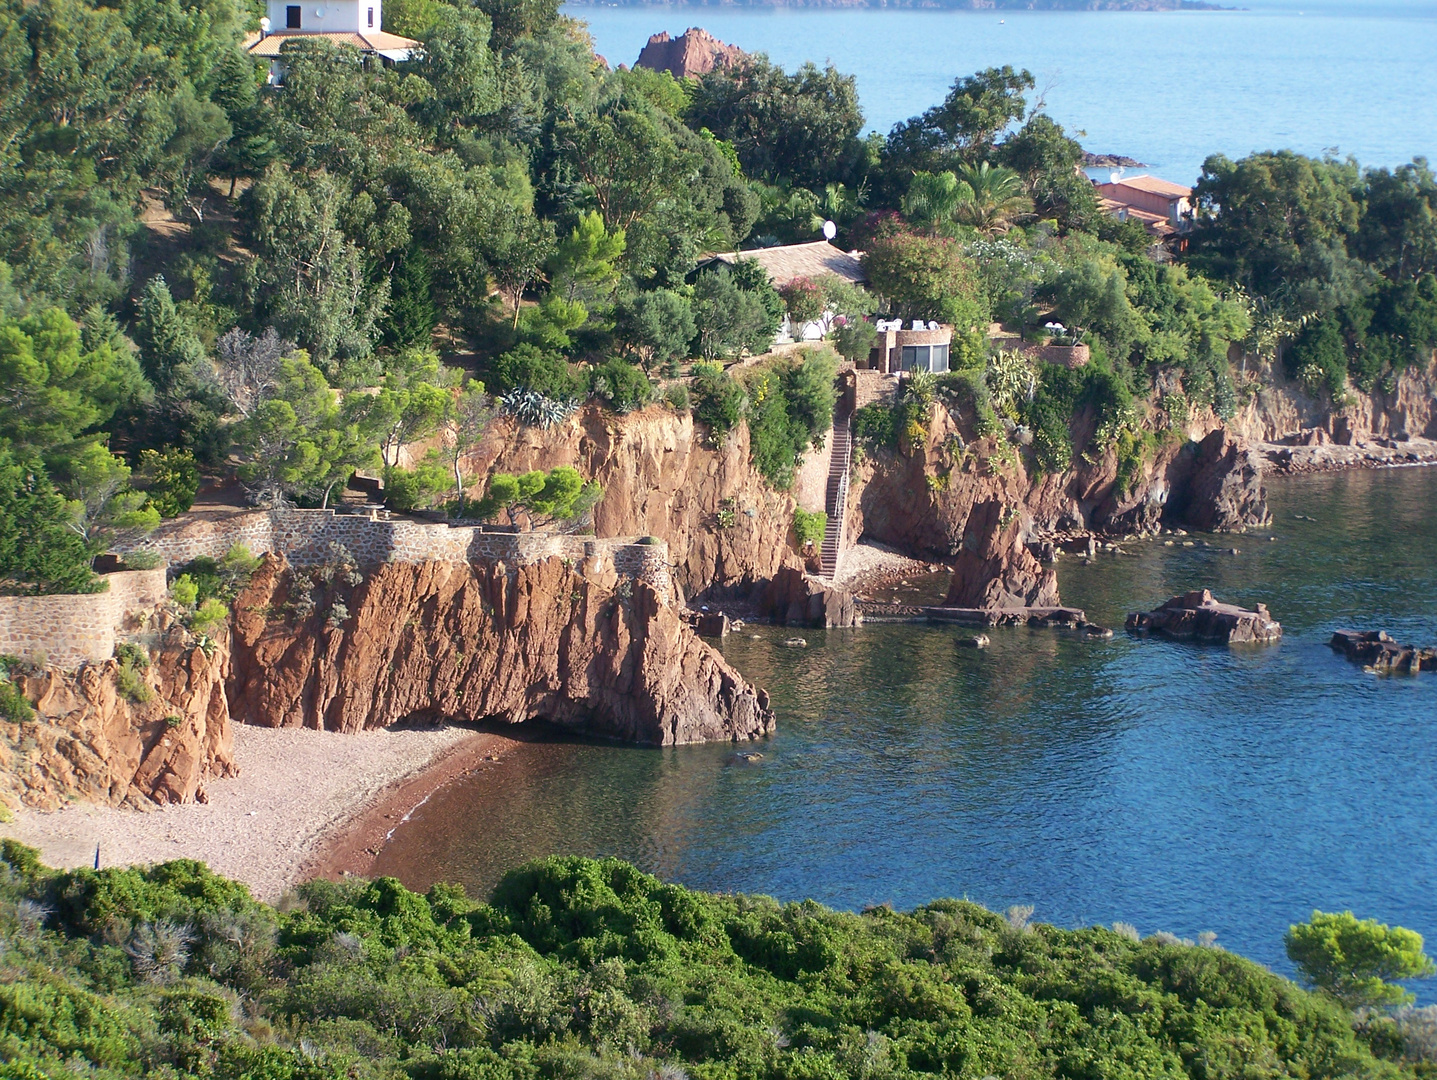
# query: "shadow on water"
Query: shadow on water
1175,787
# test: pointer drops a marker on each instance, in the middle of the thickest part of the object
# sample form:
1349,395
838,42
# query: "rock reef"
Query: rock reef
1378,650
570,644
1196,616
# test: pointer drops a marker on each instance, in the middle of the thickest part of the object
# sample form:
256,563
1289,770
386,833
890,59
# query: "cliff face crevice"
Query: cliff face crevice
726,529
87,741
571,644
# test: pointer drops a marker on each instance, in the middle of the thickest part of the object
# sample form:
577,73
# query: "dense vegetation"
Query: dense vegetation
582,969
202,274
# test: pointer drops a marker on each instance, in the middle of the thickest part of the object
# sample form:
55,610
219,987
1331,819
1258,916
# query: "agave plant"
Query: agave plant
533,409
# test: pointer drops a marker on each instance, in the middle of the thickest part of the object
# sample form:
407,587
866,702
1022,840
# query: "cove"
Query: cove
1176,787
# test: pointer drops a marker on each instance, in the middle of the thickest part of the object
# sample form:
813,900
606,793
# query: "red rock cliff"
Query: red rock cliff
573,645
88,741
726,529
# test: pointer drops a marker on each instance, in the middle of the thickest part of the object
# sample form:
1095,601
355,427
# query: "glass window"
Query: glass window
940,359
371,16
291,17
915,358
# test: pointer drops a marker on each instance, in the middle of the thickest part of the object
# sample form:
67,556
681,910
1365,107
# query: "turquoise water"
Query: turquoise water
1175,787
1167,88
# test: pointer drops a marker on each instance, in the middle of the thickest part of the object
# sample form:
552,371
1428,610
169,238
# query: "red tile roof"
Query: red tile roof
1154,185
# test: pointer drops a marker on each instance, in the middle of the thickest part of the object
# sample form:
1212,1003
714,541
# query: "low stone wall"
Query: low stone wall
308,537
69,630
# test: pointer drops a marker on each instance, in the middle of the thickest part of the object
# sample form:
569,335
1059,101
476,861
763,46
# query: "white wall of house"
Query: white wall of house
325,17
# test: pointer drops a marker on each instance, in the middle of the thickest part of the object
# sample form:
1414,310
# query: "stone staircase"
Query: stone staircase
836,498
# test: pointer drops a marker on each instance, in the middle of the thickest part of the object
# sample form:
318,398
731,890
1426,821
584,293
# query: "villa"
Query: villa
352,23
791,261
1163,207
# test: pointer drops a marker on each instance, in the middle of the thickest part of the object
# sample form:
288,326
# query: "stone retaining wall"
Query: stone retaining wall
67,631
307,538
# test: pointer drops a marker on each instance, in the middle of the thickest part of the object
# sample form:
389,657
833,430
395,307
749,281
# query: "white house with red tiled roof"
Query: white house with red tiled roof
353,23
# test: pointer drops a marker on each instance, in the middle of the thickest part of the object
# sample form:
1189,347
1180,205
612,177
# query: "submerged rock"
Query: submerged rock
1197,616
977,641
1378,650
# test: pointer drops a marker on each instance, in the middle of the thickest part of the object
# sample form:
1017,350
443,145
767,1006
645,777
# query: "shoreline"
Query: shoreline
1288,459
350,848
292,813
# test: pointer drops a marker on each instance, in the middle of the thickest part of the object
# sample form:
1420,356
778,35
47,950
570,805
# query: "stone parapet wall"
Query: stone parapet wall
69,630
308,538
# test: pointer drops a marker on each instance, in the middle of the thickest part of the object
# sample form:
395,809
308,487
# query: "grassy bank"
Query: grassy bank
580,969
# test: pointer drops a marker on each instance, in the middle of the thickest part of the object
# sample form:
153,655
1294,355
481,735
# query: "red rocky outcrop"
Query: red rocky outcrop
573,645
694,52
794,598
90,742
1197,616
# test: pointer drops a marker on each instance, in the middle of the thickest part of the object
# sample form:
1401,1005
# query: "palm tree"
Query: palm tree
932,200
989,198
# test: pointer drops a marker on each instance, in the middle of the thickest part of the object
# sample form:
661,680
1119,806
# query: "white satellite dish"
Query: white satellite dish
264,25
1115,177
319,11
830,230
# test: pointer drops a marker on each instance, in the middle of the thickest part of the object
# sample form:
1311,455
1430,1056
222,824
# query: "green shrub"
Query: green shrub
718,401
210,615
406,489
621,385
790,407
131,683
809,527
185,591
676,397
875,425
528,367
14,706
581,969
222,578
171,479
854,340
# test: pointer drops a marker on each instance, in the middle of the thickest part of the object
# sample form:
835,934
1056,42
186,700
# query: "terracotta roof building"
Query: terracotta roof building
799,260
784,264
1164,207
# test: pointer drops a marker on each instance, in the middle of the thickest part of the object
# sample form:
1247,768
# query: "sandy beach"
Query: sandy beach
301,805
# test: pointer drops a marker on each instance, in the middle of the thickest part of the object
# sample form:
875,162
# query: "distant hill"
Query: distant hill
951,5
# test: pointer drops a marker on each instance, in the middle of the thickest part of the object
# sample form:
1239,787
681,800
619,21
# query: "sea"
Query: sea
1174,786
1340,77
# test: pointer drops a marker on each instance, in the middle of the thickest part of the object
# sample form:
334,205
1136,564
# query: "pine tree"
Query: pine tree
412,313
169,349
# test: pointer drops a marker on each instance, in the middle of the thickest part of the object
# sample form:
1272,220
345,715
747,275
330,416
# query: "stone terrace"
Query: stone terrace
306,538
